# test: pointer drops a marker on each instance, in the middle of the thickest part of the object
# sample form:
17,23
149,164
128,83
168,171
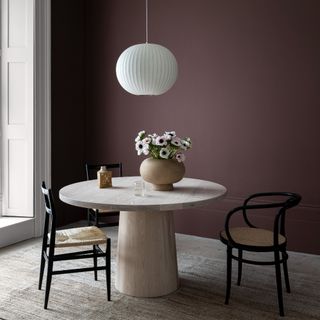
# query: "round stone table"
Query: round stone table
146,259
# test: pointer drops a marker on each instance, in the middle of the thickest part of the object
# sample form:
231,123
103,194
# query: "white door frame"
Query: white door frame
42,129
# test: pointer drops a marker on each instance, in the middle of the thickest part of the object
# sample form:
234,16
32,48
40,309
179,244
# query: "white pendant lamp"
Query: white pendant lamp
147,68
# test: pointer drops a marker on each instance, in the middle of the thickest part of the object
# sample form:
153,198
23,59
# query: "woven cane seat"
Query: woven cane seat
252,237
83,236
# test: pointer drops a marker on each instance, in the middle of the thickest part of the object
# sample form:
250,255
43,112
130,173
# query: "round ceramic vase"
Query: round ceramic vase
162,173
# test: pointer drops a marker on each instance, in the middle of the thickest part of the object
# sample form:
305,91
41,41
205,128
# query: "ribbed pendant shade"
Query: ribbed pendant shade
147,69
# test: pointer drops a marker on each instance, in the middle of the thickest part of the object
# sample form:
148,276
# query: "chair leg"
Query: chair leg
96,219
42,265
89,218
108,268
239,266
229,271
48,285
95,264
285,271
279,284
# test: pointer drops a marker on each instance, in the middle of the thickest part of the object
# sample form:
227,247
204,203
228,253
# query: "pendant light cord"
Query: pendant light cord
147,26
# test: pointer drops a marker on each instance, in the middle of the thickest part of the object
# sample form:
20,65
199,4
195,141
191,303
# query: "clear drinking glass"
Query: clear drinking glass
139,188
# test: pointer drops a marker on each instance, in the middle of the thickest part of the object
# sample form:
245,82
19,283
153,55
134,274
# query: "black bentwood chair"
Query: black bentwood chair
95,214
251,238
75,237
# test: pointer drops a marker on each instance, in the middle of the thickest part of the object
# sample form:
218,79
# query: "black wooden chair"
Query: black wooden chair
251,238
75,237
94,215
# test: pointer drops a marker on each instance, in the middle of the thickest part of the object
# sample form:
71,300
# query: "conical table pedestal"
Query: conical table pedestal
147,259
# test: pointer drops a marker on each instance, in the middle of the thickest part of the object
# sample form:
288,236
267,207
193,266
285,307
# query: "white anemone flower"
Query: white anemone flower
147,140
141,133
161,141
164,153
180,157
176,141
171,133
137,139
185,144
142,148
139,147
167,137
189,142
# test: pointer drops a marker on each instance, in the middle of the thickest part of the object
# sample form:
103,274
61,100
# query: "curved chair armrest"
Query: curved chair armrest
243,209
279,222
254,196
226,224
293,197
293,200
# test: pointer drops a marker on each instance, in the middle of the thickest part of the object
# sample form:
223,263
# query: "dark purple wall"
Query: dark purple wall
68,101
247,94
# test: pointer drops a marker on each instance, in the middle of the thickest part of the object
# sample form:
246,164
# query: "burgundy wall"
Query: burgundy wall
68,101
247,94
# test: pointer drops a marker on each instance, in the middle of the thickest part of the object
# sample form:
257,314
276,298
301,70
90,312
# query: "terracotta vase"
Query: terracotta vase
162,173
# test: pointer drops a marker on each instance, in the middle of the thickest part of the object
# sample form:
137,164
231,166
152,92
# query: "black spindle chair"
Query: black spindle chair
251,238
75,237
94,215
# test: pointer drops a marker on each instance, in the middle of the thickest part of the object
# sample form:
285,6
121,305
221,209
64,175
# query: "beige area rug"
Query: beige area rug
200,296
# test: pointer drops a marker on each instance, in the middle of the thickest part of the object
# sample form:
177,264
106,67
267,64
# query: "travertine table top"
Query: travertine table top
187,193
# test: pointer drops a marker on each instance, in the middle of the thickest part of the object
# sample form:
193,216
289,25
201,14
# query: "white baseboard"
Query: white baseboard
13,230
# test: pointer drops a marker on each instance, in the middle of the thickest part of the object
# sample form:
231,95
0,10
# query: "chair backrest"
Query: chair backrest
290,199
91,169
50,216
287,200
